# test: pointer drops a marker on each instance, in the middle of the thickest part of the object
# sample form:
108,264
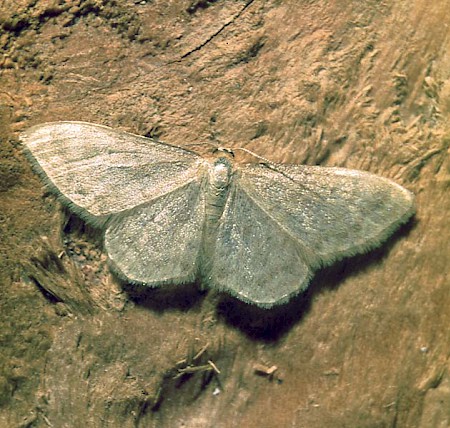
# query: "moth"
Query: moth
170,216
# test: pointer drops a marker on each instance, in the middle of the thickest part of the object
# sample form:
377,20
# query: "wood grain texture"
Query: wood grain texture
362,85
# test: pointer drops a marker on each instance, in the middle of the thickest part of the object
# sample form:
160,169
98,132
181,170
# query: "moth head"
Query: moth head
225,150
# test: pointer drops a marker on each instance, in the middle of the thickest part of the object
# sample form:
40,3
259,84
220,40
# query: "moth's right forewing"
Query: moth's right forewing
159,243
99,171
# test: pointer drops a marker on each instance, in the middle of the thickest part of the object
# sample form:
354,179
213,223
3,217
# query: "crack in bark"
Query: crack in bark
214,35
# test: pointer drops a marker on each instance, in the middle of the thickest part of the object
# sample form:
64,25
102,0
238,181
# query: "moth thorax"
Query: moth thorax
217,193
220,174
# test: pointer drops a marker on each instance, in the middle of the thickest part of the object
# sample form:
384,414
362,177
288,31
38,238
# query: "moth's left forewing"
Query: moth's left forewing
333,212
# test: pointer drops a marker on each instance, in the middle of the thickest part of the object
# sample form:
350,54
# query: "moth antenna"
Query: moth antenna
203,143
224,150
264,160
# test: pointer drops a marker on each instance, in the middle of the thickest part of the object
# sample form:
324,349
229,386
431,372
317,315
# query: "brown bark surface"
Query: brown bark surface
361,84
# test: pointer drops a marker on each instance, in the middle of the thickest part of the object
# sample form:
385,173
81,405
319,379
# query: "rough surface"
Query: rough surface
359,84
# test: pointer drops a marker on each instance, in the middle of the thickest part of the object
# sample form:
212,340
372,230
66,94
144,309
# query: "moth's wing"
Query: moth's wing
254,258
281,223
159,243
99,171
333,212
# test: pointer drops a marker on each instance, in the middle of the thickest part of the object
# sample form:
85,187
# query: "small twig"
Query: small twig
46,420
263,370
193,369
201,352
181,362
214,366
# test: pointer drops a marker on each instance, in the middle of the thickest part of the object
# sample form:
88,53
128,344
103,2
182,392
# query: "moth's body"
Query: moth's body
217,189
171,216
218,182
